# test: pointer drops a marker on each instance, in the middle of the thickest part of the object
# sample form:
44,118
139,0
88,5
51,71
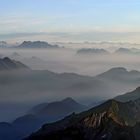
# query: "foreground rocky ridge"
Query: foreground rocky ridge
113,120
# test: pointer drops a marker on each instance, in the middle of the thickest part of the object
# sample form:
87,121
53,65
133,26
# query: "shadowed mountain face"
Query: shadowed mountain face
112,120
38,115
60,108
36,44
8,64
50,112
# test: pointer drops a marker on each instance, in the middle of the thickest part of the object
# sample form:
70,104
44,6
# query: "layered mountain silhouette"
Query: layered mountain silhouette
69,84
36,44
36,85
112,120
120,74
8,64
38,115
128,51
92,51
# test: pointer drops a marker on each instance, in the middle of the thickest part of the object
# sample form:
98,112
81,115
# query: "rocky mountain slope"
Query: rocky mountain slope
112,120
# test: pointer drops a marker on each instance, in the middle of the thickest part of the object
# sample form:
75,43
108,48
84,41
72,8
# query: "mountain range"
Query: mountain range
112,120
119,51
93,51
38,115
100,122
36,44
127,51
28,44
120,112
37,85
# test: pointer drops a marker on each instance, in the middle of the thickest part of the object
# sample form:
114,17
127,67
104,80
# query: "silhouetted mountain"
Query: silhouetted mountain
50,112
92,51
38,115
36,82
36,85
36,44
133,95
37,108
60,109
8,64
136,50
111,120
120,74
123,51
131,51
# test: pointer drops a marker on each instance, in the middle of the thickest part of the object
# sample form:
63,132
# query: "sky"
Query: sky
70,20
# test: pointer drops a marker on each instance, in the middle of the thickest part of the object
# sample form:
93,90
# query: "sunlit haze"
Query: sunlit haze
70,20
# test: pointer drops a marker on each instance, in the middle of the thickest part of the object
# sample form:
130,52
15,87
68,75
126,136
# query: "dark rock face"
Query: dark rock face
112,120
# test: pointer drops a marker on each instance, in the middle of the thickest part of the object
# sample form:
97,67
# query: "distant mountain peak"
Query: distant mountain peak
92,51
36,44
118,69
123,50
69,100
8,64
110,120
113,72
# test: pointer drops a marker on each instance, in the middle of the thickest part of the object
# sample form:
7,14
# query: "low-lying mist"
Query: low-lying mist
17,97
66,60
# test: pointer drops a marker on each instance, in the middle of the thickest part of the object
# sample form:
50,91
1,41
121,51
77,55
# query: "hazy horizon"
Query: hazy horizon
70,20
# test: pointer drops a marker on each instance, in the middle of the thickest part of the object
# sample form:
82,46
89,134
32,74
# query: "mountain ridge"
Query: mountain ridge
36,44
101,122
8,64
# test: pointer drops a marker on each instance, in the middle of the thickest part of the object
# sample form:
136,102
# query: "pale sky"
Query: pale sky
70,20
